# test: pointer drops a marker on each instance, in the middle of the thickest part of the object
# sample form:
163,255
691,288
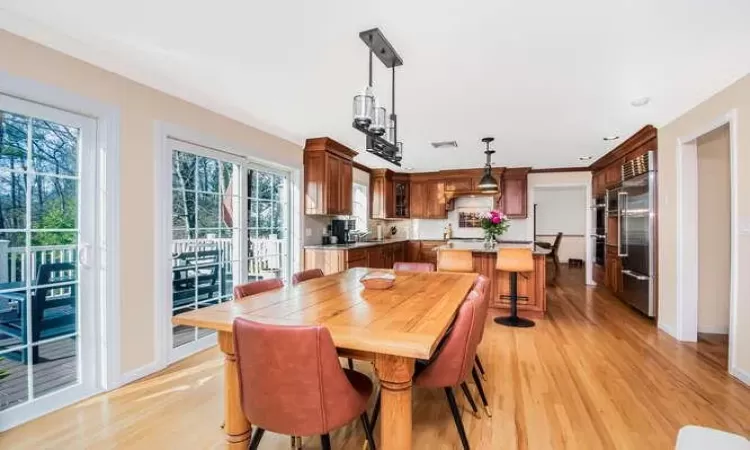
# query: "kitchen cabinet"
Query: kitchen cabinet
335,259
514,190
428,198
412,251
598,184
613,270
328,177
330,261
389,194
531,287
613,174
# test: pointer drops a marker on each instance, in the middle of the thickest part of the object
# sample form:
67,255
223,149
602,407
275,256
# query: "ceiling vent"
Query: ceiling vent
444,144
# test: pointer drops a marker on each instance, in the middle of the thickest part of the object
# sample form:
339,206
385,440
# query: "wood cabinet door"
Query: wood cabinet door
413,248
514,197
418,200
399,252
401,199
333,194
375,257
436,200
346,184
362,262
459,184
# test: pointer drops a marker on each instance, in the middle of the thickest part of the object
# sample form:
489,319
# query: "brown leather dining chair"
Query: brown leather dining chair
454,260
256,287
481,286
291,382
453,360
305,275
413,267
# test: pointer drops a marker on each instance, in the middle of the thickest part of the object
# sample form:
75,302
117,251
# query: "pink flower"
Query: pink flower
495,219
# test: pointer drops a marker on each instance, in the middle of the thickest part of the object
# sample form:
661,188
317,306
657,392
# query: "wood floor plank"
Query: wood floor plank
593,374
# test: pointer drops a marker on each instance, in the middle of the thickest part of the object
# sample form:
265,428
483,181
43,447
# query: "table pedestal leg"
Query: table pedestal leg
236,426
395,374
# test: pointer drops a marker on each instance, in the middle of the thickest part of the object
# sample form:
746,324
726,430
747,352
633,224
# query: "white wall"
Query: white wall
562,209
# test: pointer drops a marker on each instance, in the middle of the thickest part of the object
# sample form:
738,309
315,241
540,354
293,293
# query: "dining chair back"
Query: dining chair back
291,381
453,260
256,287
453,365
413,267
305,275
480,287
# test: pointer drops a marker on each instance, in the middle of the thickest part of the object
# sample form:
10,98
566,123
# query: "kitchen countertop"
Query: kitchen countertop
354,245
478,247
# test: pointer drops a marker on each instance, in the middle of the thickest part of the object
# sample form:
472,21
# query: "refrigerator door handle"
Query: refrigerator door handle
621,199
632,274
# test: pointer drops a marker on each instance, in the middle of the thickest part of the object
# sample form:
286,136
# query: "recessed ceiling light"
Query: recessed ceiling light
643,101
585,158
614,137
408,168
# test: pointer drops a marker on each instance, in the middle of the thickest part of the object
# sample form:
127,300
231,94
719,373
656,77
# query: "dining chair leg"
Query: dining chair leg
470,399
257,436
481,367
457,417
325,442
375,411
351,363
368,431
480,388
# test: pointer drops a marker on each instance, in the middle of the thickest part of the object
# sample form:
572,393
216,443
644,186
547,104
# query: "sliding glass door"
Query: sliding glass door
229,225
47,216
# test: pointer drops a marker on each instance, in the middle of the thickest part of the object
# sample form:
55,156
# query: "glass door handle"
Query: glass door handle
83,255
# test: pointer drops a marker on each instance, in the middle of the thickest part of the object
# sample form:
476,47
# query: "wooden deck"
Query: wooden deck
56,368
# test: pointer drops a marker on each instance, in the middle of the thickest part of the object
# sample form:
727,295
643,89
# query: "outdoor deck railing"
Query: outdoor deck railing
264,255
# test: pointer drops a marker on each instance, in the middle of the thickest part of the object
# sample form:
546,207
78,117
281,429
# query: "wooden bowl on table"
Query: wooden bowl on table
378,280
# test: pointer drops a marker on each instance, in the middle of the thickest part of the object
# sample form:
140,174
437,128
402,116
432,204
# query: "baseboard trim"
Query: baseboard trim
741,375
667,329
140,372
714,330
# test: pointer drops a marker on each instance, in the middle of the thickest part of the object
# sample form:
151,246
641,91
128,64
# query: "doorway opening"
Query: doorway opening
707,240
714,244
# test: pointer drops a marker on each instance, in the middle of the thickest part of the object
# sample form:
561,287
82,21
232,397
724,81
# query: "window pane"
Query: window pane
229,171
265,186
13,319
252,184
208,174
55,365
15,259
54,148
50,238
54,203
12,200
183,209
208,210
14,130
53,309
14,384
183,170
265,214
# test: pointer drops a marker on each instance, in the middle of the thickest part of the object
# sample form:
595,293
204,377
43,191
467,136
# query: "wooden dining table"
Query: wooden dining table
391,328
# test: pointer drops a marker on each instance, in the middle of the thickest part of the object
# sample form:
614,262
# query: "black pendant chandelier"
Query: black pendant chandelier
369,115
488,183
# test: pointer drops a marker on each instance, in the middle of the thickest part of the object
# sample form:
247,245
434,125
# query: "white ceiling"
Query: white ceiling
548,78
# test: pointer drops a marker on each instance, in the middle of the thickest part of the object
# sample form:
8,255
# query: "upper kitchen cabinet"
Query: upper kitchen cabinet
427,197
389,194
328,177
607,170
514,192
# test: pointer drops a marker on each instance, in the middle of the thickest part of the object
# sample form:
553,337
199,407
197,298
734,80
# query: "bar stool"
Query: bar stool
453,260
515,261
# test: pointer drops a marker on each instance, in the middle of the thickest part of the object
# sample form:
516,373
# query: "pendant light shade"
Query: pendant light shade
364,108
488,183
377,126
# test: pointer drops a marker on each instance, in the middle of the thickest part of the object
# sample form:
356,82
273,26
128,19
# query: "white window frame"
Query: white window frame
366,217
105,251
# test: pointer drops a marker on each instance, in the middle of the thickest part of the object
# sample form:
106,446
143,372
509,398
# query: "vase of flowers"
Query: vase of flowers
494,223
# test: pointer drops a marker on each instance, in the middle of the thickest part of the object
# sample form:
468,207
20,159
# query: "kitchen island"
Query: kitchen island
532,287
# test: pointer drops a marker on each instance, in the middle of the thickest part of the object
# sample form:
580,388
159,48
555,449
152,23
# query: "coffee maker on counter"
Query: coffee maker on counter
342,230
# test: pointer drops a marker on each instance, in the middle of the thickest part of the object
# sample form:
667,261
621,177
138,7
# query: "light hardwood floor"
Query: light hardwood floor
592,375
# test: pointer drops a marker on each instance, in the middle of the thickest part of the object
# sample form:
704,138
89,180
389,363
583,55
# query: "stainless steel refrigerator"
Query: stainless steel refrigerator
637,222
